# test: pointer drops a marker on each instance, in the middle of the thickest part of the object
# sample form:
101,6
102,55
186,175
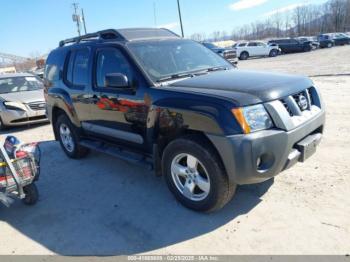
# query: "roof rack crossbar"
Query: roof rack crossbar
104,34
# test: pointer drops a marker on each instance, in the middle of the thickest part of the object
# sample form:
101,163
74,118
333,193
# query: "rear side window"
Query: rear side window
77,72
242,44
252,44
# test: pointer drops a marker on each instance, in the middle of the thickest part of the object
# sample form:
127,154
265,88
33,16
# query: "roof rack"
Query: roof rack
104,34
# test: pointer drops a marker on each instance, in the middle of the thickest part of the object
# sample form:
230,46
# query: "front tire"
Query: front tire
273,53
68,135
244,56
195,175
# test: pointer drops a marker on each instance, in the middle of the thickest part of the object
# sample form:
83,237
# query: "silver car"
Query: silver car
21,100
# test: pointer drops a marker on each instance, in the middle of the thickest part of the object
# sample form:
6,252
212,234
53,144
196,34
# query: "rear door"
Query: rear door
252,49
262,49
76,76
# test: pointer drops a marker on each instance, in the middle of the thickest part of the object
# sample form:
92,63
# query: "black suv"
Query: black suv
292,45
337,38
155,99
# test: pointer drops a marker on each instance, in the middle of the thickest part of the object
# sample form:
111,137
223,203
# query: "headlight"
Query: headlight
252,118
14,106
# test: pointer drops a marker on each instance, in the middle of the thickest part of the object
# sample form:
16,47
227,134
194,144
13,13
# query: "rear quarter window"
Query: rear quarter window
77,68
54,65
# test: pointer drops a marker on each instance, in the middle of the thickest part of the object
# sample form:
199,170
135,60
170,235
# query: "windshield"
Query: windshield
161,59
19,84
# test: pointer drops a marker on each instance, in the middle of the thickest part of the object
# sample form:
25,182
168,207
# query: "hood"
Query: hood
244,87
25,96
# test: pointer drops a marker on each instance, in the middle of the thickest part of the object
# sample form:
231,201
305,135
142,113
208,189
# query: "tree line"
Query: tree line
302,20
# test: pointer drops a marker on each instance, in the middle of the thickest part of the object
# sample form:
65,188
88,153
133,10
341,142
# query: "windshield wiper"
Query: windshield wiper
192,74
217,68
175,76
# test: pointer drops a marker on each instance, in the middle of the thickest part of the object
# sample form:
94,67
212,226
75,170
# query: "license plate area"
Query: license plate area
307,146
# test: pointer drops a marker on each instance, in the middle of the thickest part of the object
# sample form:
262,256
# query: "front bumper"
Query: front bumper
278,149
19,117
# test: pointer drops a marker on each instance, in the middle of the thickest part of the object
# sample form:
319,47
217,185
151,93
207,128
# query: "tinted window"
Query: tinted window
78,68
51,72
242,44
111,61
54,63
252,44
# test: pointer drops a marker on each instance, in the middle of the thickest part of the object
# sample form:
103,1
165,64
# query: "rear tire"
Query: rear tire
195,175
244,56
31,194
68,135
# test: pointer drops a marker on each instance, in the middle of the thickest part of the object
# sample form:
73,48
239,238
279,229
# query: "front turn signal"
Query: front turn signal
238,113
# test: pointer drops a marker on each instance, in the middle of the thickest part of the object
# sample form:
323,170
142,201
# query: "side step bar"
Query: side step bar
118,152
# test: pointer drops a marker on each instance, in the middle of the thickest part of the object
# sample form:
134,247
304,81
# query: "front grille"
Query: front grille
37,106
287,107
294,110
230,54
299,102
28,119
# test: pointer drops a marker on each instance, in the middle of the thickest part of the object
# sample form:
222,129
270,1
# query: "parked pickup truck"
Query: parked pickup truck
245,50
292,45
228,53
170,104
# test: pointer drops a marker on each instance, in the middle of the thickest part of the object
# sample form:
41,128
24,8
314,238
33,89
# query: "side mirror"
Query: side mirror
116,80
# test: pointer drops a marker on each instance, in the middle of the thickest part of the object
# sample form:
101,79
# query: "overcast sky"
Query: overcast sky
36,26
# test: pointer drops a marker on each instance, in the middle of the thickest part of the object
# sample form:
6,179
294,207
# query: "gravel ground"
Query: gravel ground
104,206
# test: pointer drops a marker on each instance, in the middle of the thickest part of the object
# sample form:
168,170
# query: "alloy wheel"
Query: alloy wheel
190,177
66,138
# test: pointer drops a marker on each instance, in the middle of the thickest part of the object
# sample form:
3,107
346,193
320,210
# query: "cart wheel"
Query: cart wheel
32,194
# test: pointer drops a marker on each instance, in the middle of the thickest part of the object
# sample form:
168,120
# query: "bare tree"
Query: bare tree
331,16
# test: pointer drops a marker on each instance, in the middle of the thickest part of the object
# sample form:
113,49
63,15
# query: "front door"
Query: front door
118,114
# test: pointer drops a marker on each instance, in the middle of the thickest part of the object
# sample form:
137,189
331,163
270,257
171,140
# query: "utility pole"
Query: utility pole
179,9
83,18
76,17
155,14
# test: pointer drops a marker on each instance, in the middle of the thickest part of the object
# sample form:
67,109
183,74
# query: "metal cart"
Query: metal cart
17,177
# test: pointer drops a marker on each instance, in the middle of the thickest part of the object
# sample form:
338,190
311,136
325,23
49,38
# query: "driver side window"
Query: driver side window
109,61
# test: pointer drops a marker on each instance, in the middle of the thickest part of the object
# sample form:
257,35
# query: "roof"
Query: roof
126,34
15,75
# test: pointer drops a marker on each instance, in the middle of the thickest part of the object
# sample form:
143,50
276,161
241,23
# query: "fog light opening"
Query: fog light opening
264,162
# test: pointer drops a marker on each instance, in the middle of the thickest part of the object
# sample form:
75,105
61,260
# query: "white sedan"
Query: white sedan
245,50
